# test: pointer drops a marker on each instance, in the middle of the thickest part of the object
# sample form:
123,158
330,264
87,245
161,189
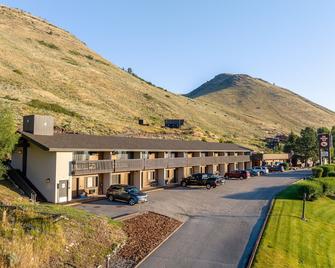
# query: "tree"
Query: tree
291,143
8,136
307,144
130,70
323,130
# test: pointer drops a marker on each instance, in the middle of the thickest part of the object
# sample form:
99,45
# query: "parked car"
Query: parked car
126,193
253,173
279,168
202,179
261,170
240,174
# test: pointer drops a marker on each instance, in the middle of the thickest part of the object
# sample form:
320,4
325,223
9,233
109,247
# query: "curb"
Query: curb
126,217
256,246
160,244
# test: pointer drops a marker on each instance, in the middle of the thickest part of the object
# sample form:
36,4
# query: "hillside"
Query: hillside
27,228
46,70
261,104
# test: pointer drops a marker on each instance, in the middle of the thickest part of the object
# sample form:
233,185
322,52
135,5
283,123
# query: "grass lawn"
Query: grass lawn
290,242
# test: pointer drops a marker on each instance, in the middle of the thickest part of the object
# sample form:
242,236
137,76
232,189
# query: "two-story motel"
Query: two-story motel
63,166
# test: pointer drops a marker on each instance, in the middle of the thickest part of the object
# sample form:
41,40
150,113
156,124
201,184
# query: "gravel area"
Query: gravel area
145,232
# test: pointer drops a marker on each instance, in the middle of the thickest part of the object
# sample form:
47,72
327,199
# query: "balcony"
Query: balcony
92,167
126,165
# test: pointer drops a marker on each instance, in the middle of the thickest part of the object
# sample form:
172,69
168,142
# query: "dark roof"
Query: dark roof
77,142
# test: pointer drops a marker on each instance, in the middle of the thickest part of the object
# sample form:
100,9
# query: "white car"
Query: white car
261,170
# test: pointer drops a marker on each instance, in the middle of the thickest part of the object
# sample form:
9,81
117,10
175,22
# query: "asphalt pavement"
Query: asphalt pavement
221,224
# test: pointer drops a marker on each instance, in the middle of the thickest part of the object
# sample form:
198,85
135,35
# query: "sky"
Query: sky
180,44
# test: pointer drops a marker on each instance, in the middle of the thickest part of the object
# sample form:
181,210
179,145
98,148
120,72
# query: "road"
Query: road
221,225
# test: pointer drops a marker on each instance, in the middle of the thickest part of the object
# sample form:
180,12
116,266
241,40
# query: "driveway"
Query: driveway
221,224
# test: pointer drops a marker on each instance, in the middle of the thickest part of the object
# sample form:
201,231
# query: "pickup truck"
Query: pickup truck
202,179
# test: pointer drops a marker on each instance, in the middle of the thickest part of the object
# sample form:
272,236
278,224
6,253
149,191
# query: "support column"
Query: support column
161,175
107,181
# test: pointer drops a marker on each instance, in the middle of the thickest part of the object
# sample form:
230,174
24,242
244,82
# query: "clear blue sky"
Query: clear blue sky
179,44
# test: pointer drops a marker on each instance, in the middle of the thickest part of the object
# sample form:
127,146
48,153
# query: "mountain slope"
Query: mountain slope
272,108
46,70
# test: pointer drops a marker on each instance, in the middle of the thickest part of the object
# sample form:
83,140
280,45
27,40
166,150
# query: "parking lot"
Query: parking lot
221,224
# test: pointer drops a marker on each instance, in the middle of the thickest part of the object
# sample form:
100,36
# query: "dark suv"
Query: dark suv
202,179
240,174
126,193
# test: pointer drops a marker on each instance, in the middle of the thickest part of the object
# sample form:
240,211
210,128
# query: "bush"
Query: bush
317,172
54,107
312,188
331,174
328,185
46,44
327,169
285,165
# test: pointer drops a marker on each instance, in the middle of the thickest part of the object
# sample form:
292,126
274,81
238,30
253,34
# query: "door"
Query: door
75,187
62,191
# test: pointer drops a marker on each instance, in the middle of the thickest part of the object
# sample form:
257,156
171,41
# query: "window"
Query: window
80,156
91,182
116,178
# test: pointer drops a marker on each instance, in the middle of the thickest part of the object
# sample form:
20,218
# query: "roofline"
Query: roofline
241,149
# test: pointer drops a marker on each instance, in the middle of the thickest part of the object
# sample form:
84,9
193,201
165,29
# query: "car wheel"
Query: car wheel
214,185
183,183
262,173
111,197
131,202
241,178
208,186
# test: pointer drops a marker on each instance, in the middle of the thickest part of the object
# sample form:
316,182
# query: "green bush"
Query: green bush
46,44
54,107
331,174
285,165
317,172
312,188
328,185
327,169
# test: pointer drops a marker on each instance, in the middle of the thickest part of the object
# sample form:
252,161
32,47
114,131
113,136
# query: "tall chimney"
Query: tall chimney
38,124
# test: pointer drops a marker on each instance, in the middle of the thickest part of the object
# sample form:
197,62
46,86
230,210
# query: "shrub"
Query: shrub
49,45
317,172
327,169
312,188
17,71
328,185
285,165
331,174
54,107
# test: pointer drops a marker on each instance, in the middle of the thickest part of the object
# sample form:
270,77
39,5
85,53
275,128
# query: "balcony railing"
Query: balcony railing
92,167
124,165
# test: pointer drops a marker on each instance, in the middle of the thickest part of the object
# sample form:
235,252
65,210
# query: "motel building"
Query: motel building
63,166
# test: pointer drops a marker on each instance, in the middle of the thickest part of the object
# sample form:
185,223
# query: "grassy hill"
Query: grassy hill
260,104
46,70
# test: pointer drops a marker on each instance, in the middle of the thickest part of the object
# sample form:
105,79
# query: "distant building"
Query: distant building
261,159
142,122
174,123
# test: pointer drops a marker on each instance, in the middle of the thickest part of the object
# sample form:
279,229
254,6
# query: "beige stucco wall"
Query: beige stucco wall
63,171
41,165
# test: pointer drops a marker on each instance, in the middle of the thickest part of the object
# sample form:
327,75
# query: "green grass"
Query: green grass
289,241
53,107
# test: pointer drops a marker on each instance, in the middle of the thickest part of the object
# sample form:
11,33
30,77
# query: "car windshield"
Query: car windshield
133,190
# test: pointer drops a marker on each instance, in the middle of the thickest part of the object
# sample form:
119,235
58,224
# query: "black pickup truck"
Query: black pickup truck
202,179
